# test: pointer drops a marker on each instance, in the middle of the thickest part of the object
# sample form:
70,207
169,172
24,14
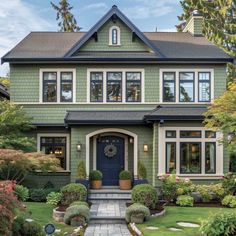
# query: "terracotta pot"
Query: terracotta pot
96,184
125,184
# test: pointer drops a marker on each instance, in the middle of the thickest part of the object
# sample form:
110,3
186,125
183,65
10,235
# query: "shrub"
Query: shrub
95,175
205,193
32,229
229,201
142,171
80,211
54,198
38,194
220,224
81,170
185,200
218,190
145,194
73,192
138,210
229,183
17,226
125,175
21,192
77,203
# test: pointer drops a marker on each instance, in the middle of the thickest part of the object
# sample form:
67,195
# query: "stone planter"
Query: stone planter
96,184
58,215
125,184
137,218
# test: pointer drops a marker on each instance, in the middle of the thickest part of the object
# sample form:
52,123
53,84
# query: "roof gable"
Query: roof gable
113,14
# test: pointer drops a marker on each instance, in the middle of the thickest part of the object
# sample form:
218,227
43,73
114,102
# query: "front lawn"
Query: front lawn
42,213
176,214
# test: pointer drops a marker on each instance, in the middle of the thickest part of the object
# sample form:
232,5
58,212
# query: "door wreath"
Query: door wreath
110,150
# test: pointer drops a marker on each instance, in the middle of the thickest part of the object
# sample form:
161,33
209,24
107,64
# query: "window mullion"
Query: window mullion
196,87
104,86
58,86
123,86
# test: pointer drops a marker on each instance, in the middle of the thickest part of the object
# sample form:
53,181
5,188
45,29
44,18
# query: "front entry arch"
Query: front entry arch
118,131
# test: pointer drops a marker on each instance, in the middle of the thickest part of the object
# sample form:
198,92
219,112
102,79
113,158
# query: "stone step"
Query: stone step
106,220
109,194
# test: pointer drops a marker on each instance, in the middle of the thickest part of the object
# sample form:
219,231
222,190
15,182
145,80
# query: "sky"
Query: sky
19,17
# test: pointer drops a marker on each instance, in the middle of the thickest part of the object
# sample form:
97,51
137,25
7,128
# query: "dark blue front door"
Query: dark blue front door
110,158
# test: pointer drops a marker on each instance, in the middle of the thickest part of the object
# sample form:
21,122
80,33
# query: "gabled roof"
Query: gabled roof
113,12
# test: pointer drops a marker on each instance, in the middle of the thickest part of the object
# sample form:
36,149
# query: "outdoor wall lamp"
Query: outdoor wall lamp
145,147
79,147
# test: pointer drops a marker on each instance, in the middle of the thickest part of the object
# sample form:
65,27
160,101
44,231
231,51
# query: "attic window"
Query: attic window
114,36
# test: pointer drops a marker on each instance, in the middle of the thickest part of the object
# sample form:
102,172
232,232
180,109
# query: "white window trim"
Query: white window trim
58,71
67,136
123,71
162,151
177,71
118,36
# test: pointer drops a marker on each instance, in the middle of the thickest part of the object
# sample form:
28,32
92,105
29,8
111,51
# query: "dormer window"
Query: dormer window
114,36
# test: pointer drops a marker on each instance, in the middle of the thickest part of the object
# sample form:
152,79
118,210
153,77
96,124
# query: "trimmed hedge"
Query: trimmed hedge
185,201
125,175
78,203
137,210
229,201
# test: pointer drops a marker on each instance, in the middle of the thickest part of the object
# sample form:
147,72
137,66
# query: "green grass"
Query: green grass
42,213
175,214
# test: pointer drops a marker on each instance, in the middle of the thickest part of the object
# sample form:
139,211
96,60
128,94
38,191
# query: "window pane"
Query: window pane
49,75
186,87
170,134
66,86
114,36
49,91
66,76
204,86
190,134
210,134
169,87
170,157
210,158
133,87
190,158
114,86
96,86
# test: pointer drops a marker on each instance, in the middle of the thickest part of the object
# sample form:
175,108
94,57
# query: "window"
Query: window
186,87
114,36
49,86
190,134
169,87
114,87
170,157
210,160
133,87
190,158
96,85
55,145
204,90
210,134
66,86
57,85
170,134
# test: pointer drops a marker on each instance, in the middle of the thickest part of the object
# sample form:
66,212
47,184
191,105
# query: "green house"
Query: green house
114,96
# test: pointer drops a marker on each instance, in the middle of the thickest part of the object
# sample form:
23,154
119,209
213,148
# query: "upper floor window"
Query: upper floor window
114,36
57,85
186,86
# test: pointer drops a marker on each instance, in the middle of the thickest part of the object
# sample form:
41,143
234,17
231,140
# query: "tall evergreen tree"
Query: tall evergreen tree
66,20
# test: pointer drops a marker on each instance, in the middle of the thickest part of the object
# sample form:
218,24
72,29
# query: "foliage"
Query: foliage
17,226
185,201
172,186
95,175
125,175
232,167
79,203
5,81
15,165
222,223
13,123
32,229
8,206
73,192
21,192
221,116
145,194
81,170
76,210
136,209
229,201
204,192
218,190
38,194
229,183
54,198
66,20
142,170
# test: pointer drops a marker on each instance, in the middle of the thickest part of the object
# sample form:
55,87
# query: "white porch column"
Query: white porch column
135,156
87,154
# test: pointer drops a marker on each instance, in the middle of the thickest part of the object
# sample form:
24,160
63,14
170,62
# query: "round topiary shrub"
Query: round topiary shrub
77,203
185,201
145,194
95,175
125,175
229,201
73,192
21,192
137,213
77,215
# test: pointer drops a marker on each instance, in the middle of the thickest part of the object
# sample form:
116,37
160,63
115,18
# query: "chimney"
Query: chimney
194,24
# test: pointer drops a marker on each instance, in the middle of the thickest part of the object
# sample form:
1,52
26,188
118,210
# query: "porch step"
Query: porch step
107,220
109,194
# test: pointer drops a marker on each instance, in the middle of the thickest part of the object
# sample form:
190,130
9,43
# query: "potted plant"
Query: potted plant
95,177
125,180
142,174
82,175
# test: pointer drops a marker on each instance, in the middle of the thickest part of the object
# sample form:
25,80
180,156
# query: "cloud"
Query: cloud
17,19
96,6
143,9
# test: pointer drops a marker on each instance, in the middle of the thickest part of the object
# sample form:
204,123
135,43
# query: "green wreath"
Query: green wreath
110,150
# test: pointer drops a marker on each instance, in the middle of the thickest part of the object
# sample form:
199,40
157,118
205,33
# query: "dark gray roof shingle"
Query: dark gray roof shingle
4,92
